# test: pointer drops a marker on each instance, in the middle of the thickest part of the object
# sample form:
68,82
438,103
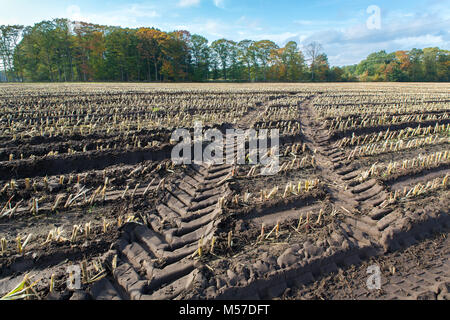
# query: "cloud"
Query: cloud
426,40
141,11
213,29
349,42
188,3
74,12
219,3
128,16
305,22
279,38
210,28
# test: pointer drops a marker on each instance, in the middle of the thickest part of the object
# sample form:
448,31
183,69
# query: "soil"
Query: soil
418,272
152,230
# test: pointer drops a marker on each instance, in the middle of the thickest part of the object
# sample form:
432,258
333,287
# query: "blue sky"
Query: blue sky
339,25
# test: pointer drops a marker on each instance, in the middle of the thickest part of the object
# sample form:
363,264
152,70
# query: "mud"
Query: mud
178,232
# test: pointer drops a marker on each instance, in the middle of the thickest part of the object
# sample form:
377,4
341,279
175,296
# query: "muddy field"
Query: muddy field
87,184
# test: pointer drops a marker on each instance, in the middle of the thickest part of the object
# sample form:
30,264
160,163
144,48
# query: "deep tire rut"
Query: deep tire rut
155,262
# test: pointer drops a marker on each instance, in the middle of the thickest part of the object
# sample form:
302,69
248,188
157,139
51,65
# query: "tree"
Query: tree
26,56
392,72
294,60
349,73
115,54
278,68
149,47
222,48
183,54
264,50
336,74
430,65
416,71
313,50
9,37
40,54
396,70
175,57
235,64
287,63
63,49
443,65
322,67
200,57
247,55
91,44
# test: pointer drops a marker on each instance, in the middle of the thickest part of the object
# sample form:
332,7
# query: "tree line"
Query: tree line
429,64
62,51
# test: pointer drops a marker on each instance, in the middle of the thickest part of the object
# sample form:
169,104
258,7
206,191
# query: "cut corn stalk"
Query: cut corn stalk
3,245
229,239
22,291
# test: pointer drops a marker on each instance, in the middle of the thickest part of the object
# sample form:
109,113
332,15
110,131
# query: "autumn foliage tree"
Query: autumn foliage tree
429,64
149,46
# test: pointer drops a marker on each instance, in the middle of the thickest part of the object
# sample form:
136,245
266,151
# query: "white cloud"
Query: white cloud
213,29
126,17
74,12
350,42
248,24
188,3
304,22
219,3
279,38
210,28
141,11
421,41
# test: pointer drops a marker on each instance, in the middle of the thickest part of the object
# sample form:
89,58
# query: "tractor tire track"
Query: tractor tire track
155,261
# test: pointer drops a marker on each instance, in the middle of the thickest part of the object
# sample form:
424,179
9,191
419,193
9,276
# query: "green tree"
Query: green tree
313,51
336,74
222,49
416,70
9,37
90,50
443,65
264,50
246,53
200,53
321,67
294,60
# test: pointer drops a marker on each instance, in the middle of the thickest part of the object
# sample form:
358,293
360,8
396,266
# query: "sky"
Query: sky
347,30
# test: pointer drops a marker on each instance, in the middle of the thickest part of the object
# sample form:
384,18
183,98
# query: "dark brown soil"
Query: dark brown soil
187,237
418,272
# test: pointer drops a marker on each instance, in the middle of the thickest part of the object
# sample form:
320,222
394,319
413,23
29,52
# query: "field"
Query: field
87,184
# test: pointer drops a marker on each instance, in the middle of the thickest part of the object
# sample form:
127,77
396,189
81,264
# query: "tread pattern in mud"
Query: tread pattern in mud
419,272
155,261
